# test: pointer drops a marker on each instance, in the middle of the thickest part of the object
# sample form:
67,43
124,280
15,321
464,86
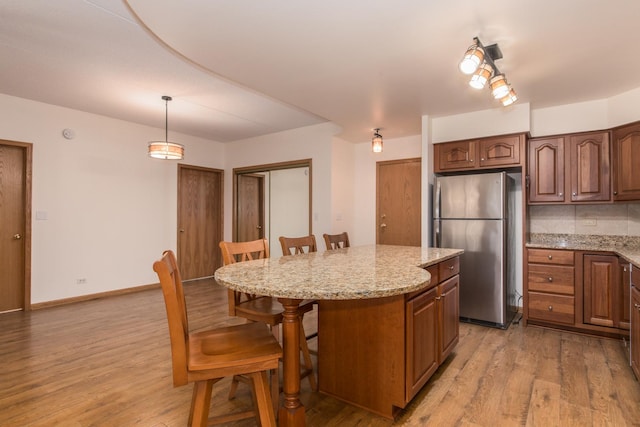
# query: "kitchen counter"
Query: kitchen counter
359,272
628,247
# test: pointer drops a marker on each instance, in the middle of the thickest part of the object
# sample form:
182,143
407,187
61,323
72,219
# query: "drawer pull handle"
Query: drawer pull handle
549,256
550,279
550,308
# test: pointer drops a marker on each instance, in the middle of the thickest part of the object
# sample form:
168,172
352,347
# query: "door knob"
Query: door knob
383,225
182,230
17,236
259,227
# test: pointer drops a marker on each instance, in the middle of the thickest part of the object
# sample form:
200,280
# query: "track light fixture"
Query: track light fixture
376,142
478,61
164,149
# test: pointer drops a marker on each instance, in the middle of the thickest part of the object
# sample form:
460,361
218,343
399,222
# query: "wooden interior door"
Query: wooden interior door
14,226
398,205
250,207
200,215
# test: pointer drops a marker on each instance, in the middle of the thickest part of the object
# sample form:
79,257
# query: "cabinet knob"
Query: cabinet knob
560,194
550,279
574,194
549,256
550,308
482,159
615,193
451,267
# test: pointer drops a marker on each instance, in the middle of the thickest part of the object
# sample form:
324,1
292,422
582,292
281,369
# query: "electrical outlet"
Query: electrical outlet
81,281
590,222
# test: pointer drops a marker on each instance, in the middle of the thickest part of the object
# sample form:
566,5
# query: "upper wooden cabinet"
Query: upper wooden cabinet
626,162
483,153
569,168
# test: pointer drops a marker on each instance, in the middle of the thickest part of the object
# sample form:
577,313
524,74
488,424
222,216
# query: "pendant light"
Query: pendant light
164,149
376,142
479,61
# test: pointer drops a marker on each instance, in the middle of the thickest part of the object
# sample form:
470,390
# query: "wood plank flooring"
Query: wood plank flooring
107,363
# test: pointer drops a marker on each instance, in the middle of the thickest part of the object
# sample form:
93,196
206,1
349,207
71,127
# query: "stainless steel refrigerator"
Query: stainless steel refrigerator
475,213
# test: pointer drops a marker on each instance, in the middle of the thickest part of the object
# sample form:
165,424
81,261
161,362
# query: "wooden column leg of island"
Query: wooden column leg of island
291,413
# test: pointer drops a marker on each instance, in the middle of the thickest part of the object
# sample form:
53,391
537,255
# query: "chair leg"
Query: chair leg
200,403
308,364
234,387
263,399
275,389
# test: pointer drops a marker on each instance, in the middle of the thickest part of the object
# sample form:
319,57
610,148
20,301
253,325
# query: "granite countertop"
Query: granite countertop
628,247
357,272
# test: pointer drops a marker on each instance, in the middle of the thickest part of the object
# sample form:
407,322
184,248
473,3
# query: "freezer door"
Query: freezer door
482,267
470,196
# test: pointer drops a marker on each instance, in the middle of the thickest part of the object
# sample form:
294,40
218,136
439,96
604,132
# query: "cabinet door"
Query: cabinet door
546,170
448,316
600,290
589,167
635,331
422,357
500,151
625,290
458,155
626,163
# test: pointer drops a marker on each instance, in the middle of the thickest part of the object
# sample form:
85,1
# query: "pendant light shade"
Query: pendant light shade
164,149
482,75
376,142
472,59
499,86
510,98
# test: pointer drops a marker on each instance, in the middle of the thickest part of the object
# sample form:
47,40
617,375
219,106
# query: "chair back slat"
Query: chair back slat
299,245
233,252
336,241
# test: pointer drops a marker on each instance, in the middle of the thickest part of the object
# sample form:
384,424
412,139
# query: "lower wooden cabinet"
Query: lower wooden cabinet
378,353
577,290
550,286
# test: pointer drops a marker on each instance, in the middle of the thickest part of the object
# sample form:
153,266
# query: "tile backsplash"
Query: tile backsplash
621,219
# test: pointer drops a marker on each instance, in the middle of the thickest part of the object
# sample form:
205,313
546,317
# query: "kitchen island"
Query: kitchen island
374,273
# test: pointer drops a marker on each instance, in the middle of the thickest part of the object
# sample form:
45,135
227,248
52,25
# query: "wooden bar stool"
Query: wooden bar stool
336,241
206,357
260,308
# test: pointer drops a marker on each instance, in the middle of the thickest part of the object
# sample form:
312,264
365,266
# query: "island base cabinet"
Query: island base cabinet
359,360
378,353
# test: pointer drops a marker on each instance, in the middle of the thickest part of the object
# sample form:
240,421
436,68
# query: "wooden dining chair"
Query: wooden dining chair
206,357
336,241
261,308
295,246
298,245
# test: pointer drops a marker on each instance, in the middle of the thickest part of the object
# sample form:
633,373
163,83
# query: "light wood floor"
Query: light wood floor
107,363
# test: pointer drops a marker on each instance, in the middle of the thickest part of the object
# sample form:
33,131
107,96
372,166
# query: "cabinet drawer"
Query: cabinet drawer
448,268
550,256
551,278
551,308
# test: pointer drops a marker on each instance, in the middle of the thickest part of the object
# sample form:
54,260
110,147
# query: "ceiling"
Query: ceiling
242,69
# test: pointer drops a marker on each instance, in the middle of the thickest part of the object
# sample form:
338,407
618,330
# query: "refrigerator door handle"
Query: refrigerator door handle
436,234
436,208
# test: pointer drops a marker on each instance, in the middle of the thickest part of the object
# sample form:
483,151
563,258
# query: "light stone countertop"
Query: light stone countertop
358,272
628,247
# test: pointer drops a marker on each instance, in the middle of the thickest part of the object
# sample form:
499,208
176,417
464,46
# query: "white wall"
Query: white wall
342,189
110,209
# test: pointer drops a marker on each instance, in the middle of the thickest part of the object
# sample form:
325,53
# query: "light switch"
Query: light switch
41,215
